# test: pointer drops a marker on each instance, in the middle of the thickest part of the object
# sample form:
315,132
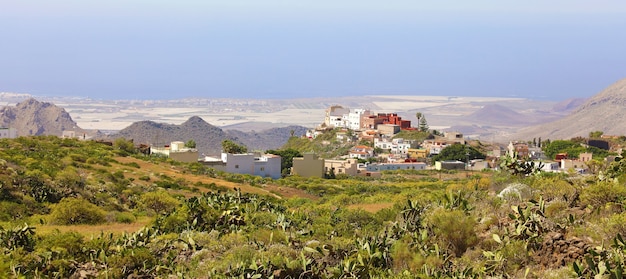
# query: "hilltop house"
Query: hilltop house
395,146
355,119
177,152
454,137
361,152
335,117
388,129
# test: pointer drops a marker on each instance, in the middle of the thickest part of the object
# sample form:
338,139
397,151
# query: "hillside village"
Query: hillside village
358,142
376,144
362,195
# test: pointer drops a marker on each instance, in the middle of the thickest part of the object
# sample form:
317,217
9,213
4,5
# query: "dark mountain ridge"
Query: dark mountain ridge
34,118
208,137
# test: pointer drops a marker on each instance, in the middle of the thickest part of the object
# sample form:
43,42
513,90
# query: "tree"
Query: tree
190,144
418,115
563,146
287,156
160,202
595,166
519,167
125,147
459,152
75,211
437,133
539,142
229,146
595,134
423,125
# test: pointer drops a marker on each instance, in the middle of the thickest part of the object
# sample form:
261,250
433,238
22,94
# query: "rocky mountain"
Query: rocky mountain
208,138
33,118
603,112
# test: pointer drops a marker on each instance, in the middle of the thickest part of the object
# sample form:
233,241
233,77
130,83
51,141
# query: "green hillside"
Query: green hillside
84,209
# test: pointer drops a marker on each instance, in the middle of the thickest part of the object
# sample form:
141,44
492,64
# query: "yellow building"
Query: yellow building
308,166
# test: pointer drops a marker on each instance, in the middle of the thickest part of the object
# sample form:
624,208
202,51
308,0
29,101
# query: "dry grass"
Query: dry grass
371,207
96,230
150,169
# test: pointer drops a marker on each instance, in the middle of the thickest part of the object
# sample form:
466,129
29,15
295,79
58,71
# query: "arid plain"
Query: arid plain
442,112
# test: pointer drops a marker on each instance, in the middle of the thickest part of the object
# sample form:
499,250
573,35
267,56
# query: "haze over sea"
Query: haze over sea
141,49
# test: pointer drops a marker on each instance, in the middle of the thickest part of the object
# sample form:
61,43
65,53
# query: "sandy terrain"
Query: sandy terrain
442,112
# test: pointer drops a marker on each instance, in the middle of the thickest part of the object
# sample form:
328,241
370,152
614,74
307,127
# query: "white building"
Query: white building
395,146
400,146
8,133
549,166
353,119
396,166
335,116
266,165
361,152
177,151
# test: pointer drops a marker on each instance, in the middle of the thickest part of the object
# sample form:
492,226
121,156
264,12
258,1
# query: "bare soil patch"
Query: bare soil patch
371,207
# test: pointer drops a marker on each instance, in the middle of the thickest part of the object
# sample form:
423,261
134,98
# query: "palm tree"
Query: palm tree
418,115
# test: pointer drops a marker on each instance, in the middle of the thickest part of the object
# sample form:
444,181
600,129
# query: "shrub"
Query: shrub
68,245
125,217
601,193
133,164
453,229
159,201
12,211
74,211
138,262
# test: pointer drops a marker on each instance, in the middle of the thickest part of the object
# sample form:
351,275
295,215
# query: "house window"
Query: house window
262,168
236,166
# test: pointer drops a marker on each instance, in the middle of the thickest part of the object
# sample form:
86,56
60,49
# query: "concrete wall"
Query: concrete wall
308,166
267,166
239,163
184,156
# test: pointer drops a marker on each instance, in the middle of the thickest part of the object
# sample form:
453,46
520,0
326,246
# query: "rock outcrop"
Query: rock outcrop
34,118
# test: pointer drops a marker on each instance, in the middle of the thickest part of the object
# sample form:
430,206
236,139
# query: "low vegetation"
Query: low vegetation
408,224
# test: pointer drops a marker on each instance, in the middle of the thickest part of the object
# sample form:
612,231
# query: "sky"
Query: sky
155,49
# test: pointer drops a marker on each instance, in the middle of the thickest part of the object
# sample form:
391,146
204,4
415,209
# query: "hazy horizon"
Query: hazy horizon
302,49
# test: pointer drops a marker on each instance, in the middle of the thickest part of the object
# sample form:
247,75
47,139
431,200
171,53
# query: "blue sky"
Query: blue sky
131,49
